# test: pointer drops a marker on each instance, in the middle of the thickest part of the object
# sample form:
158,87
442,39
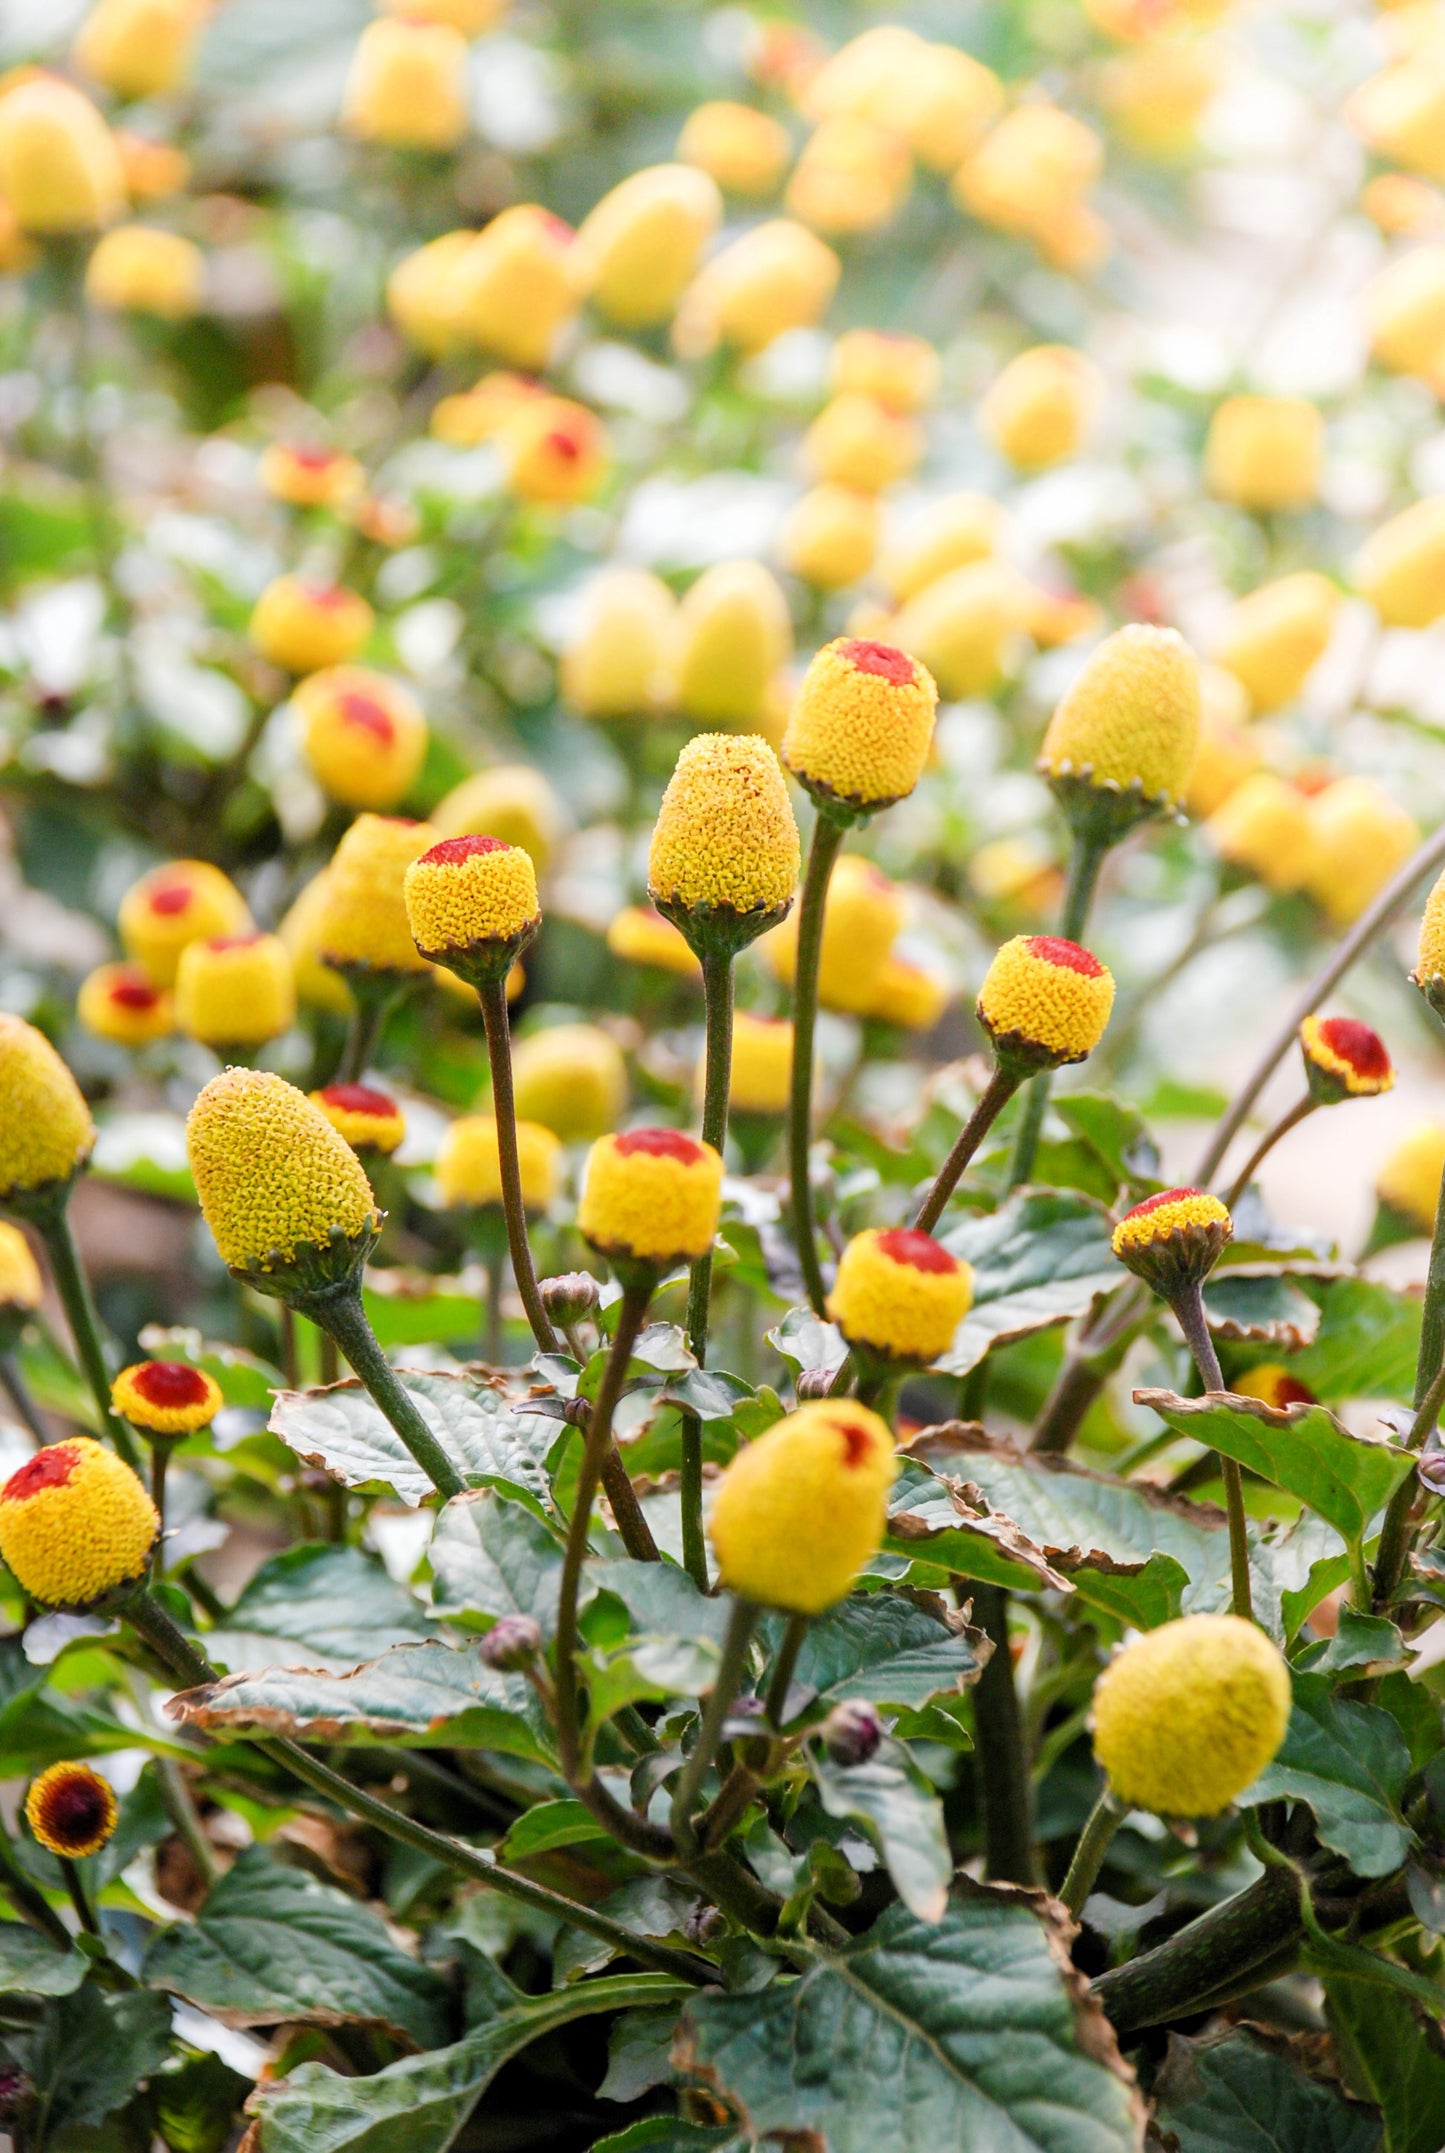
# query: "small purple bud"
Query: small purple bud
512,1644
852,1731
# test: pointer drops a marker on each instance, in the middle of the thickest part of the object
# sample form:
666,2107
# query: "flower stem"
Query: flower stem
52,1222
742,1621
717,987
493,998
26,1897
1086,857
1005,1782
84,1911
780,1680
827,840
181,1810
990,1104
17,1390
1301,1109
1188,1307
343,1318
1095,1839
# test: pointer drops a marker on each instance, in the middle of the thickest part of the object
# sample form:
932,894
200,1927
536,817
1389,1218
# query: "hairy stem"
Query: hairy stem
1188,1307
1095,1840
343,1318
717,987
1216,1957
1006,1793
991,1102
493,998
827,840
1299,1112
731,1667
780,1679
52,1222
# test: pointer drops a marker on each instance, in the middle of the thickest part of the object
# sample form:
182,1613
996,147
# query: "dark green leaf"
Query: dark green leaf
195,2099
1273,1310
315,1606
492,1558
89,2052
891,1796
1116,1133
1368,1343
550,1824
1361,1645
677,1631
929,1523
30,1965
1350,1763
670,2134
1041,1258
651,1905
1245,2094
887,1648
343,1432
1392,2053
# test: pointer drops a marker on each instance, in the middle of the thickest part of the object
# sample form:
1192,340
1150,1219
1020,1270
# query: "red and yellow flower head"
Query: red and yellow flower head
302,626
46,1133
175,904
370,1120
363,735
900,1294
553,451
1045,1001
900,372
276,1181
76,1524
1173,1239
862,725
166,1397
1272,1384
236,990
651,1196
472,904
801,1508
122,1002
306,476
1344,1059
71,1810
469,1166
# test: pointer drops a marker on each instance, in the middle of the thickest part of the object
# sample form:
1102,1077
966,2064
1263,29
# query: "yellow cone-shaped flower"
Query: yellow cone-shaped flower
1361,837
75,1523
1226,756
862,918
734,635
1131,718
176,904
802,1507
1045,1000
122,1002
1272,639
952,532
1400,112
639,935
519,286
1265,452
21,1288
466,891
851,176
1409,1181
370,1120
572,1078
138,269
237,991
858,442
862,724
553,451
1430,960
363,735
1043,407
363,919
46,1132
1030,170
1173,1240
303,626
900,1294
317,984
274,1178
468,1165
478,414
429,294
651,1196
1157,95
60,170
139,48
830,537
637,251
725,838
511,801
407,85
166,1397
71,1810
1188,1716
1264,827
1401,567
945,102
776,277
744,150
966,626
618,664
900,372
1405,313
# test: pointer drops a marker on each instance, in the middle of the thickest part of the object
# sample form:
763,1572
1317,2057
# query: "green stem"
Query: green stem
1098,1350
343,1318
742,1621
493,998
717,988
1393,1551
84,1911
1094,1842
160,1460
52,1221
18,1392
1086,857
992,1100
27,1898
374,995
827,840
1005,1782
1212,1958
780,1681
1188,1307
290,1357
1301,1109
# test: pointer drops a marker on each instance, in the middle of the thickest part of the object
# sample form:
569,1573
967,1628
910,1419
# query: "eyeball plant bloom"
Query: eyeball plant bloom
46,1133
121,1002
138,48
744,150
733,637
175,904
363,735
472,904
801,1508
1429,972
407,85
635,253
364,925
1272,640
1173,1240
651,1198
468,1164
236,991
511,801
1044,1002
1401,566
725,856
553,452
71,1810
572,1078
1344,1059
1043,406
900,372
1409,1182
861,727
302,626
76,1524
166,1398
1264,827
60,170
1265,452
640,935
307,476
370,1120
900,1295
762,1064
1122,742
138,269
21,1287
1188,1716
862,919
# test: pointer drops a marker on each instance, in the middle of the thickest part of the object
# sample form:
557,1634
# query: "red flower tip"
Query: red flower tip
884,659
170,1383
1165,1196
49,1468
134,994
857,1443
359,1099
171,898
1357,1044
660,1144
904,1244
310,458
1069,956
233,941
453,850
365,712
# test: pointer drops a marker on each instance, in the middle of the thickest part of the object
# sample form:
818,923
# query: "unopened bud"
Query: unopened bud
569,1298
852,1731
512,1644
813,1383
703,1924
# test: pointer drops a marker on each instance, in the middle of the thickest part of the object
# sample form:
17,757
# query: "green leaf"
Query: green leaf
1274,1311
413,1308
1344,1478
412,1694
1042,1258
677,1632
30,1965
491,1558
1115,1133
551,1824
1393,2053
1368,1343
1247,2094
195,2099
1350,1763
973,2035
272,1942
886,1647
670,2134
1362,1645
317,1606
421,2104
807,1341
891,1796
343,1432
653,1906
930,1524
89,2051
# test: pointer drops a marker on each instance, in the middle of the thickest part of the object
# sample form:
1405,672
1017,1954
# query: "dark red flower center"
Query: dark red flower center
1288,1390
311,459
74,1809
1069,956
660,1144
367,713
134,994
234,941
904,1244
884,659
1165,1196
857,1443
1357,1044
171,898
360,1099
565,443
453,850
171,1383
49,1468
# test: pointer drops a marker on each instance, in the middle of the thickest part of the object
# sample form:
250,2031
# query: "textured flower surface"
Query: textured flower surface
236,990
71,1810
363,916
1160,1218
901,1294
1131,718
46,1132
370,1120
1430,956
166,1397
802,1507
651,1196
862,723
75,1524
272,1174
725,836
469,1167
1345,1059
1188,1716
1046,999
469,890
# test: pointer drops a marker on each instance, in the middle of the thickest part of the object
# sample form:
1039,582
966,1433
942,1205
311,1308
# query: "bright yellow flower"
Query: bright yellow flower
60,170
651,1196
618,665
744,150
1360,839
900,1294
1400,113
471,17
1345,1059
1401,567
1410,1179
407,86
1430,960
469,1171
572,1078
370,1120
1405,313
75,1523
909,996
363,919
775,277
309,477
273,1176
71,1810
429,292
237,991
639,935
1043,407
1131,719
316,982
862,724
363,735
139,48
511,801
1403,207
861,921
46,1132
1272,1384
1226,756
638,250
1265,452
802,1507
1036,164
762,1065
725,838
518,285
140,270
965,626
303,626
1264,826
1016,871
1165,1217
1188,1716
900,372
1272,639
734,636
830,536
166,1397
478,414
21,1288
553,451
952,532
175,904
1045,1000
859,443
945,103
1157,95
470,890
851,176
122,1002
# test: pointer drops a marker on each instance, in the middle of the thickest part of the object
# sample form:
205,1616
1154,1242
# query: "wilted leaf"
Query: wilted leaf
1272,1310
1041,1258
317,1606
491,1444
1245,2094
888,1648
929,1522
1350,1763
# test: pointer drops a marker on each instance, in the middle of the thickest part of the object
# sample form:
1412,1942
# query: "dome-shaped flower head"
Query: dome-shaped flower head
1043,407
1188,1716
744,150
472,904
21,1287
363,919
370,1120
518,286
619,661
46,1133
1263,827
640,935
282,1192
511,801
167,1398
803,1506
851,176
302,626
572,1078
651,1197
857,442
725,856
75,1524
138,269
1429,972
138,48
306,475
363,735
60,170
1401,566
1044,1002
1265,452
638,249
236,990
773,277
1344,1059
1173,1240
1360,838
1130,722
469,1169
407,85
121,1002
316,983
830,536
553,451
900,1295
900,372
733,637
968,626
71,1810
175,904
861,726
1272,639
1409,1182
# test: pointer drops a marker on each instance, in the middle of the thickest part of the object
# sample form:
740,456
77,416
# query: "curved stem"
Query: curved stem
827,839
84,1911
1188,1307
343,1318
739,1635
780,1680
493,998
1086,857
1095,1839
990,1104
717,987
1214,1957
53,1226
1299,1112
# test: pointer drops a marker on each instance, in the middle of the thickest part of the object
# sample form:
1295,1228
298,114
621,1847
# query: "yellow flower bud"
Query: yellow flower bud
471,17
900,372
1265,452
71,1810
952,532
852,176
519,287
370,1120
46,1132
1043,407
122,1002
1360,838
775,277
651,1196
571,1078
1272,1384
1403,207
152,171
802,1507
1409,1182
1157,96
470,897
59,167
1188,1716
1075,239
865,75
237,991
468,1165
553,451
407,85
908,996
1034,165
479,414
363,735
1401,567
638,250
1430,960
1226,756
761,1076
856,442
303,626
137,269
945,104
429,292
364,917
309,477
1272,639
618,664
1131,719
966,626
1016,871
139,48
725,841
744,150
1405,313
1173,1238
176,904
1400,113
1045,1001
1264,827
1344,1059
75,1524
275,1180
900,1295
862,724
639,935
830,536
316,983
166,1397
21,1288
862,917
734,635
511,801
